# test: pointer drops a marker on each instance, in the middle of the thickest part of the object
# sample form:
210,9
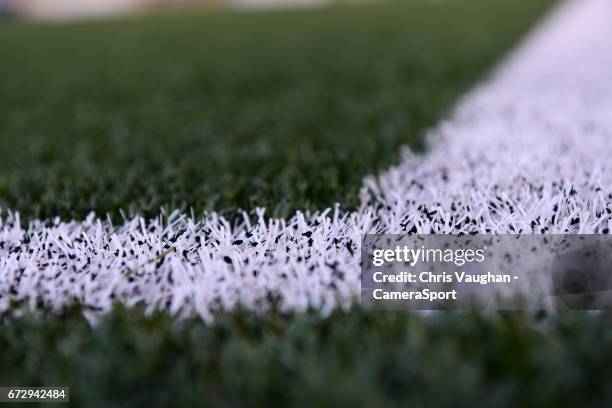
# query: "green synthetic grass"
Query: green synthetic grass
282,109
287,110
369,359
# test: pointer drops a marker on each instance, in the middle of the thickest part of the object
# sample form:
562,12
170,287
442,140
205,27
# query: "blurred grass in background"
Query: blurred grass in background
283,109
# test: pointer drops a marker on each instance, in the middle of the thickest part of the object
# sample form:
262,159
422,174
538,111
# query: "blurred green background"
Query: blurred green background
232,110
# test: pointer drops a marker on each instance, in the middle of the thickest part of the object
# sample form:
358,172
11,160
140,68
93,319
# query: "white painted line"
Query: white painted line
526,152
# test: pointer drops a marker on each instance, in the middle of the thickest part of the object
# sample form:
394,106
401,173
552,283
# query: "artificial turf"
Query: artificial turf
354,358
225,111
280,109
